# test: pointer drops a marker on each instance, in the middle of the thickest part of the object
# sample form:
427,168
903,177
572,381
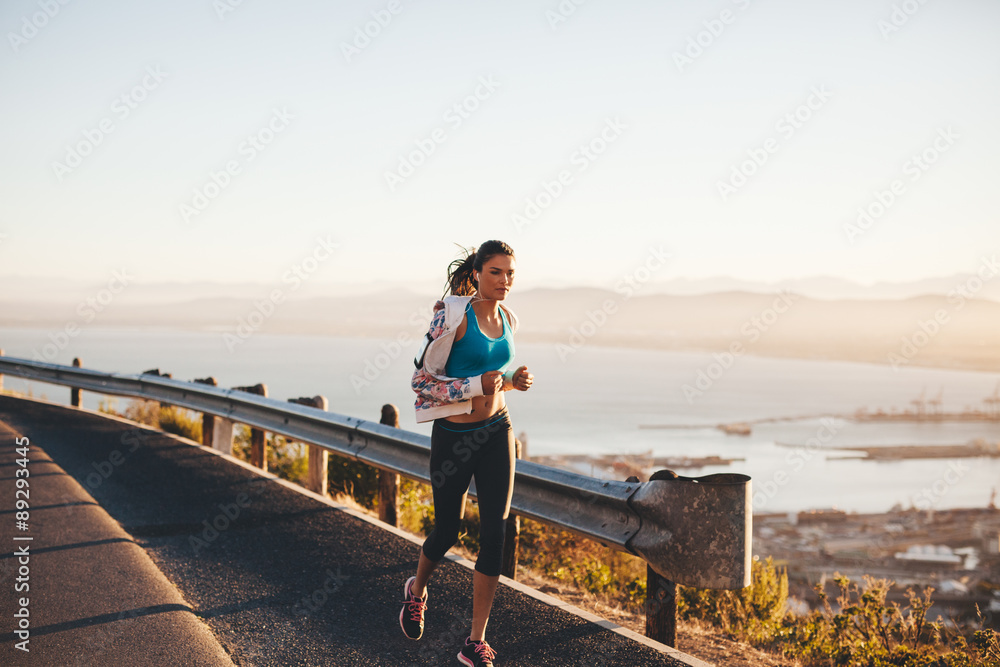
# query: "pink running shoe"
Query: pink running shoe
411,617
476,654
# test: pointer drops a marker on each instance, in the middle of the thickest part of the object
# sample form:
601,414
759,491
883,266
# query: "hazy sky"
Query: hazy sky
838,97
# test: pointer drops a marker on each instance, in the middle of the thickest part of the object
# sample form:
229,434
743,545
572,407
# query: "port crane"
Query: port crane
993,403
936,402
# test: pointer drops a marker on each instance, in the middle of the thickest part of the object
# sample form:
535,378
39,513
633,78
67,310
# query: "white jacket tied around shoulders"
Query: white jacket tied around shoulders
439,395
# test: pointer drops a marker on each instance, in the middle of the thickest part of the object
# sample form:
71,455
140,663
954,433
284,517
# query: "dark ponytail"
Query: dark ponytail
461,281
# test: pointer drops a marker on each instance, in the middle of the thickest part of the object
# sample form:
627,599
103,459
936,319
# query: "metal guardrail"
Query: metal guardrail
695,531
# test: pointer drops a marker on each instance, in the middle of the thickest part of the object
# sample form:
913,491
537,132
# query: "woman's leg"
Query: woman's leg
424,569
450,477
495,484
483,589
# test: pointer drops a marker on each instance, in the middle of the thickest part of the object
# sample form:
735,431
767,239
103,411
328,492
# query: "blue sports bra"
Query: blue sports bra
475,353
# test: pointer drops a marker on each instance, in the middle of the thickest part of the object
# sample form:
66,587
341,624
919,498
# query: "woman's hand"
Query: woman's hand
522,379
492,382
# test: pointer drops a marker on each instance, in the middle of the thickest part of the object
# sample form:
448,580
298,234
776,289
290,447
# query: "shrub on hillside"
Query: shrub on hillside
179,421
169,418
756,612
286,459
355,479
144,412
864,631
565,556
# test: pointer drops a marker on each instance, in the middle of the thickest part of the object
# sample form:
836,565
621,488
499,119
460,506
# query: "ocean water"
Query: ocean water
594,399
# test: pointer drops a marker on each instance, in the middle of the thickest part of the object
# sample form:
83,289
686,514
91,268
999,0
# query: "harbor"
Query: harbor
622,466
976,448
922,410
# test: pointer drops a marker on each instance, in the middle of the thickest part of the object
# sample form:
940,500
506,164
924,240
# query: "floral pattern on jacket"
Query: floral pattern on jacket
433,391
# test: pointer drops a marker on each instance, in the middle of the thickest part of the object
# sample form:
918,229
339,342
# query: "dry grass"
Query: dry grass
696,639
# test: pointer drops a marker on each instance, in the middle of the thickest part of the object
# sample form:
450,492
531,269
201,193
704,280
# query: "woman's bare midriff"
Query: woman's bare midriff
483,407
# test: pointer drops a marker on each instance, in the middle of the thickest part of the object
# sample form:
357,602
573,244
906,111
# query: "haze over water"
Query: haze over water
595,401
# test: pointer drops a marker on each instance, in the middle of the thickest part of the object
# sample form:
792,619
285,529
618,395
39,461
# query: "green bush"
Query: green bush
756,612
869,632
179,421
144,412
355,479
468,534
286,459
169,418
566,557
861,629
416,507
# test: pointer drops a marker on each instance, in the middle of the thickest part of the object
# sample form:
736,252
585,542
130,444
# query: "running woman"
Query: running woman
460,380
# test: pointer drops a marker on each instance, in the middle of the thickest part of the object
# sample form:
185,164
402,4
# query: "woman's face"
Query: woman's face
496,278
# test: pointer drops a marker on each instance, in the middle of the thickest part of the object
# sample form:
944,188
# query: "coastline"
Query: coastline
874,354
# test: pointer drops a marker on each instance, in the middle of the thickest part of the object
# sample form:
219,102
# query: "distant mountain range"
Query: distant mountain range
38,291
821,287
933,329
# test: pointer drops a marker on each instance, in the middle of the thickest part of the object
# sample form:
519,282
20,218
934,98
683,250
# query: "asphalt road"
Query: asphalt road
280,578
93,596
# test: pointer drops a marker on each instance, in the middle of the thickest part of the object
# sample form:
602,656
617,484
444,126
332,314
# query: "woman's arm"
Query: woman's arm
508,380
446,391
518,378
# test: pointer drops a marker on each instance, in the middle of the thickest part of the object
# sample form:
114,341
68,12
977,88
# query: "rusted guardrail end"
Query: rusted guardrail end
695,530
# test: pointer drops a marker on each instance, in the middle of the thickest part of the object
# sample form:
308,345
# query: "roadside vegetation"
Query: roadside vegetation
169,418
858,628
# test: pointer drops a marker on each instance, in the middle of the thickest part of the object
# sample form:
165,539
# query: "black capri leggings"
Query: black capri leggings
459,451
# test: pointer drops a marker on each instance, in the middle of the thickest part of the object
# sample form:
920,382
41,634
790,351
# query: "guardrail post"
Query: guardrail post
157,373
74,393
207,420
512,534
319,459
258,439
661,594
216,432
661,608
222,435
388,482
